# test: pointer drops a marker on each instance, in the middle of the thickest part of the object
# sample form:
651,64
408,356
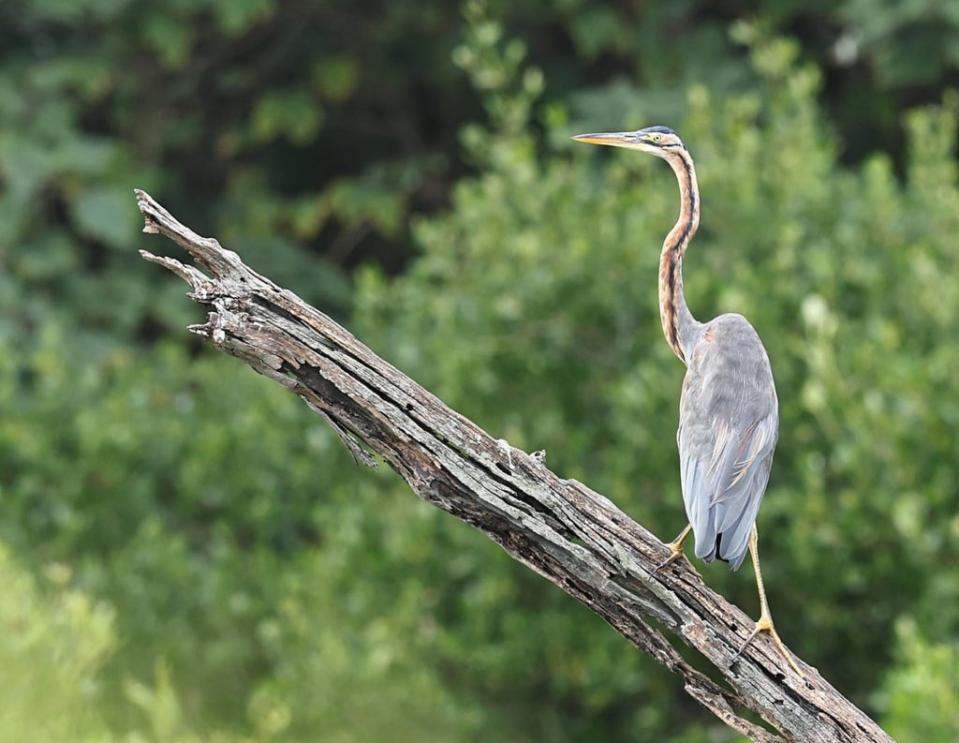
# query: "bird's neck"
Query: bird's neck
678,322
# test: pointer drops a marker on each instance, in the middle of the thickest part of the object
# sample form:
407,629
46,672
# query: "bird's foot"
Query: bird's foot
765,624
675,549
675,553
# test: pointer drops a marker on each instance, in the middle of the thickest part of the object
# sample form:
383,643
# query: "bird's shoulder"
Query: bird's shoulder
731,345
730,329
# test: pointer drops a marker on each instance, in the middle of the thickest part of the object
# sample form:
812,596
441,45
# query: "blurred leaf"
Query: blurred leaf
106,213
922,688
52,648
169,36
45,258
336,78
295,115
238,15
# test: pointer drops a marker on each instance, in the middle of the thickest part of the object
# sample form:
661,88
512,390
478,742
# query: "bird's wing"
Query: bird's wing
728,428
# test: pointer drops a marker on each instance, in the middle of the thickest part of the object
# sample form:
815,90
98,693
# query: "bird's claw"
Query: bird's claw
675,549
675,553
765,624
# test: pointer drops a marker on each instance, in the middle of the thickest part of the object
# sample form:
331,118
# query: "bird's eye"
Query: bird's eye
655,137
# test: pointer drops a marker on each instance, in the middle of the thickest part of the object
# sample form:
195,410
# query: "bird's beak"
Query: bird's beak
612,139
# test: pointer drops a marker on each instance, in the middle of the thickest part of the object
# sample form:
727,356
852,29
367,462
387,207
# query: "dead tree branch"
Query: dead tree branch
564,531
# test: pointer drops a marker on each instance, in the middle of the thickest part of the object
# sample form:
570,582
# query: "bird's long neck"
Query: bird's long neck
678,322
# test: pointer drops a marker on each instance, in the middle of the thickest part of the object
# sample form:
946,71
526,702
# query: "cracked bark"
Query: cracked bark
574,537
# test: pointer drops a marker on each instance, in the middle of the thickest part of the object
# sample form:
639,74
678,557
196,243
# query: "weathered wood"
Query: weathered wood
559,528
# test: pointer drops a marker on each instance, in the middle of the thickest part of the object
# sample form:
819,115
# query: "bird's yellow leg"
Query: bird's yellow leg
675,548
765,623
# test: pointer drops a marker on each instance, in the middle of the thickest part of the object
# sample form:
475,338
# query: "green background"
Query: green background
188,554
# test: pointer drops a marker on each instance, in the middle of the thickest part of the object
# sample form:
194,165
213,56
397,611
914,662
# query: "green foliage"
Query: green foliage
315,130
530,313
893,33
51,649
220,568
921,688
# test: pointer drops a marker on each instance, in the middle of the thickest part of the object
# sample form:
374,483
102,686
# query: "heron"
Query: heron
728,410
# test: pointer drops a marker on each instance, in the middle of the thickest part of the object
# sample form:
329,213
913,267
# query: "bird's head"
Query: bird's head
656,140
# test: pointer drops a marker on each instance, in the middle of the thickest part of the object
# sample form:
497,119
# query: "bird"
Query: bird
728,411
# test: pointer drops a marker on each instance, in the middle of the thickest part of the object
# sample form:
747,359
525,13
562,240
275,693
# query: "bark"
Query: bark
559,528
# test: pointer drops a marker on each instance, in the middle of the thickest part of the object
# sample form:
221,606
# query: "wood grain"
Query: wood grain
572,536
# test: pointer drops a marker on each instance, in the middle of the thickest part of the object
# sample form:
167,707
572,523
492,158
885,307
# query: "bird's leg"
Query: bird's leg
765,623
675,548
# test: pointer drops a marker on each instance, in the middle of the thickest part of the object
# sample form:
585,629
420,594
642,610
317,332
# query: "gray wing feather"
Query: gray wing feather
729,424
